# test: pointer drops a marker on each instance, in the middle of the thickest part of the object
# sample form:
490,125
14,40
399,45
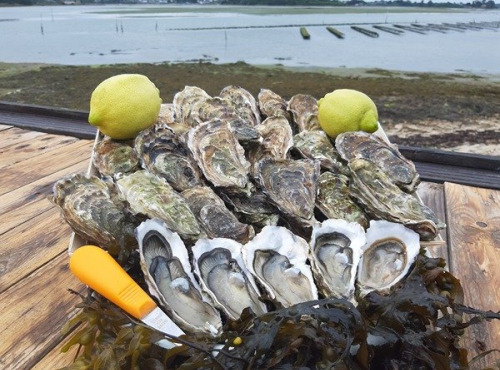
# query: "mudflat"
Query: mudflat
459,112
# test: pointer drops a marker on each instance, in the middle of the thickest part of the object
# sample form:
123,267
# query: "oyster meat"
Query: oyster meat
243,102
168,274
214,217
277,258
152,196
112,157
271,104
304,110
382,199
163,154
223,275
336,247
359,144
317,145
218,153
334,201
389,252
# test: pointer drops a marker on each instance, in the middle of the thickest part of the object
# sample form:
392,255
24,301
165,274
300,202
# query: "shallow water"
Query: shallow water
80,35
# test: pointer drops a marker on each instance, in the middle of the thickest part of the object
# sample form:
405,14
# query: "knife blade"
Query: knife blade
94,267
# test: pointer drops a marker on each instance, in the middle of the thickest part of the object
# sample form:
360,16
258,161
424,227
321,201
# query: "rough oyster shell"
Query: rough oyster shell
163,154
389,252
218,153
214,217
243,102
333,199
89,206
184,103
271,104
359,144
290,185
224,277
304,110
317,145
166,117
277,259
166,268
336,247
113,157
382,199
152,196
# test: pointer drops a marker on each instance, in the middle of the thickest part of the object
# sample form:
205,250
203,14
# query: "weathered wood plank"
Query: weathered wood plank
28,201
473,215
30,170
30,245
18,152
432,196
33,313
5,127
16,135
57,360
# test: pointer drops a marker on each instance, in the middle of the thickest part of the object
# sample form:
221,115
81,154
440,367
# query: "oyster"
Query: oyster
317,145
382,199
389,252
243,102
271,104
334,199
304,110
93,211
336,247
214,217
163,154
224,277
150,195
113,157
277,259
291,186
359,144
184,103
166,117
166,268
218,153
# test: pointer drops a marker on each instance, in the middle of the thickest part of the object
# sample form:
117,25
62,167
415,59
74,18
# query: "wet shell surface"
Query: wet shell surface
219,265
271,104
277,258
304,110
243,102
112,157
168,274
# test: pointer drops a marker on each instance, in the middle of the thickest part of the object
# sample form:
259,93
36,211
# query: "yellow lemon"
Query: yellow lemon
123,105
347,110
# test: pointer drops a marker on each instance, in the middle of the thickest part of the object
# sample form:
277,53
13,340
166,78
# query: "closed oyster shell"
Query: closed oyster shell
166,117
224,277
304,110
382,199
271,104
334,201
336,247
243,102
218,154
277,258
359,144
163,154
166,268
112,157
389,252
214,217
291,186
89,206
317,145
152,196
184,103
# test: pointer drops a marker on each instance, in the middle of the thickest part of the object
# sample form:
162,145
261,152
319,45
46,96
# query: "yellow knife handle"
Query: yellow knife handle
97,269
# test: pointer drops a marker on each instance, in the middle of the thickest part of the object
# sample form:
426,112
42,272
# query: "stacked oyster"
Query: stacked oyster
240,202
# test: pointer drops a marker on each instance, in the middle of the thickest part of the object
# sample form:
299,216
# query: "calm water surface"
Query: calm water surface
79,35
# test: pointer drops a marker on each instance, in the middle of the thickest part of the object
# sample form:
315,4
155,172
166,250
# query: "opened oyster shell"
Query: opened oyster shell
277,258
149,195
166,268
112,157
336,247
304,110
388,254
219,265
359,144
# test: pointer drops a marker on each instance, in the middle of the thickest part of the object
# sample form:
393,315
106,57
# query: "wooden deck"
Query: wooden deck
34,275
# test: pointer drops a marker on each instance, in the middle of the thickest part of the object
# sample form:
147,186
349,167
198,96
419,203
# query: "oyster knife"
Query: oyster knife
97,269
